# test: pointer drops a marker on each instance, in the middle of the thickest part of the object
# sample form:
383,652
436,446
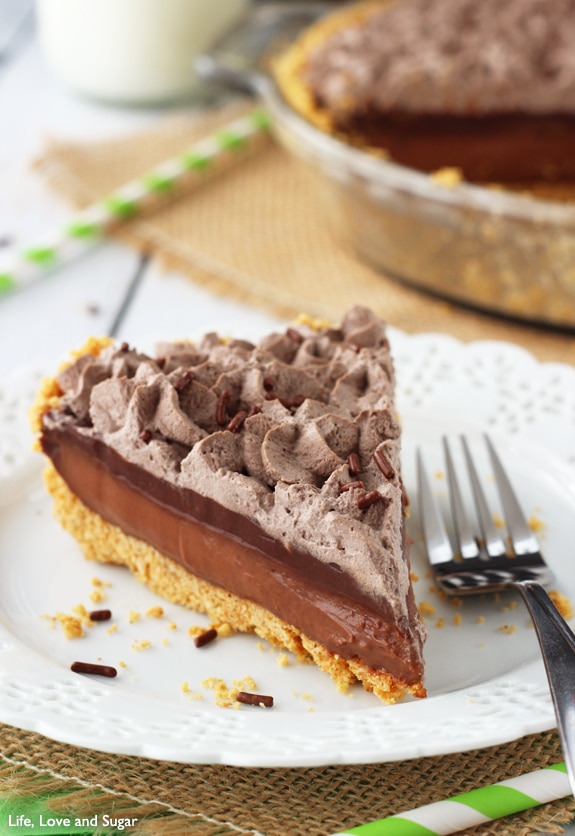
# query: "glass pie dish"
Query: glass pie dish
503,252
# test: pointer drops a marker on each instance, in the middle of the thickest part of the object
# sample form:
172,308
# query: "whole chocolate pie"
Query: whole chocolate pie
258,483
480,85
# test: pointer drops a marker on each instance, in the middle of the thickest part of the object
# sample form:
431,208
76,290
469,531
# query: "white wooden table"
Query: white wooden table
110,288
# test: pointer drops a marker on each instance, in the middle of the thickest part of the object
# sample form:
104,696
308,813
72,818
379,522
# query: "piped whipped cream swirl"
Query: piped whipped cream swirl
451,56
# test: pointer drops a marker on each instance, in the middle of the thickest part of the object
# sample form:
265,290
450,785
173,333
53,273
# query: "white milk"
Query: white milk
132,51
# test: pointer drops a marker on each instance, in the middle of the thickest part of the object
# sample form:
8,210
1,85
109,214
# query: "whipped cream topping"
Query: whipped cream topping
451,56
267,431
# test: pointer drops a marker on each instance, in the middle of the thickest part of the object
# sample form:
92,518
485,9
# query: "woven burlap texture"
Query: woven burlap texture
221,800
258,231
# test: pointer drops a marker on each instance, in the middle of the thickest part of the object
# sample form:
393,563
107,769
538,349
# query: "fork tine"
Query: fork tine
523,539
436,540
494,544
465,539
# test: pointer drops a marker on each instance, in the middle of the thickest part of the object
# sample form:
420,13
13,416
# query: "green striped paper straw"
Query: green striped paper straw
474,807
86,228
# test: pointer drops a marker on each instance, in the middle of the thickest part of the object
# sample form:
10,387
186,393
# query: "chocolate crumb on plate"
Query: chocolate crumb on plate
206,637
89,667
262,700
100,615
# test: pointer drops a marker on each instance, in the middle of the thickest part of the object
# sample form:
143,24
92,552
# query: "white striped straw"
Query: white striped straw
474,807
87,227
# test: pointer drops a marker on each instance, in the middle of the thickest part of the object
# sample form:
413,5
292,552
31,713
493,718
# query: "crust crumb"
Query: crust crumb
224,695
562,603
71,626
425,608
224,630
447,177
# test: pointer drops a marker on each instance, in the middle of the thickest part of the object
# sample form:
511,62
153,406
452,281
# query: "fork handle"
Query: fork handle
557,642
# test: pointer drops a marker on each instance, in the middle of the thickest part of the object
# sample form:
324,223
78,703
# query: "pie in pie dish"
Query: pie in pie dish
484,87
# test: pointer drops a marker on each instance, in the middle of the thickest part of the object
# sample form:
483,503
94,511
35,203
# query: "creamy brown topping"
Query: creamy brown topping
453,56
282,464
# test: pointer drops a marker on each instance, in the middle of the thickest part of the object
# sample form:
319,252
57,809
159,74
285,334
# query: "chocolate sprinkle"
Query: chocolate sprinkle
404,496
184,381
206,637
294,335
88,667
222,408
255,699
237,421
100,615
145,436
381,461
254,410
369,498
268,383
353,464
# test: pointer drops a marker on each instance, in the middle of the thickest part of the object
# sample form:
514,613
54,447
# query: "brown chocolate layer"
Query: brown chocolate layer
231,551
503,148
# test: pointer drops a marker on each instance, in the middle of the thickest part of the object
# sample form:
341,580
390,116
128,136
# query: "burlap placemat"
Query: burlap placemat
173,799
258,233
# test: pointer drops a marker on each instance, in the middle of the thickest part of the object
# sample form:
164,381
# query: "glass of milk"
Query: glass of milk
137,52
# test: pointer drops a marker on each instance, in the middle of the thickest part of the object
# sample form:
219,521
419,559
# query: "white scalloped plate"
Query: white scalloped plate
485,679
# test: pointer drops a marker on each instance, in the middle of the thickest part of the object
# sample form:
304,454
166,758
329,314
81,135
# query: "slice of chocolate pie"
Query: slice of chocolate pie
259,483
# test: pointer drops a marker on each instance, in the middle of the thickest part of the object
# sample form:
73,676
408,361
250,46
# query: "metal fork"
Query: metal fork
480,565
